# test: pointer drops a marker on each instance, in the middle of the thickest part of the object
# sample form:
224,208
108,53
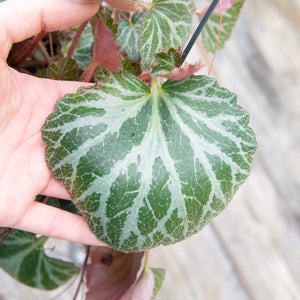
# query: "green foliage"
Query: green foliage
65,70
83,53
128,36
167,24
211,29
22,256
159,276
166,62
147,161
149,166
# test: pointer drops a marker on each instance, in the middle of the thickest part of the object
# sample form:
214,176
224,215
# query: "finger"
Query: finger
56,189
21,19
53,222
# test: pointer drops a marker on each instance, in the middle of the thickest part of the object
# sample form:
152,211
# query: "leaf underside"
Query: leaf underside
22,258
149,166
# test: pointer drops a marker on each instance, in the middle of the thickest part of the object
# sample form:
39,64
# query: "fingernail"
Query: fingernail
86,1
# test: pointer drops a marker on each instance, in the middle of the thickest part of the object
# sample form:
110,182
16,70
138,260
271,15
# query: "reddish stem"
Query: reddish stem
27,49
218,40
89,72
4,234
76,38
51,47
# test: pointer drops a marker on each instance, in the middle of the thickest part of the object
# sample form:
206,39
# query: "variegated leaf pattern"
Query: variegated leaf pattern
211,29
149,166
83,51
22,256
128,36
167,24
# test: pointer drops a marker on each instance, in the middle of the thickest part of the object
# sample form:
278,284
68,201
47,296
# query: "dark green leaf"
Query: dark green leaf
166,62
22,257
131,67
65,70
149,166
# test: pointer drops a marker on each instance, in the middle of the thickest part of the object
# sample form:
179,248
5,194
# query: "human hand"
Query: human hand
25,103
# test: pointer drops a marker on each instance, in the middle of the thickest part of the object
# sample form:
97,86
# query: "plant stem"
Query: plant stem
44,52
89,72
147,256
76,39
27,49
4,234
51,47
218,39
88,248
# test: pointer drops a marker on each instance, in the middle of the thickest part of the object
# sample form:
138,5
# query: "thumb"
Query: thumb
21,19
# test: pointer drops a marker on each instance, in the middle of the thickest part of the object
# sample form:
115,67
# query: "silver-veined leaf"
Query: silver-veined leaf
149,166
22,256
128,36
83,51
167,24
211,29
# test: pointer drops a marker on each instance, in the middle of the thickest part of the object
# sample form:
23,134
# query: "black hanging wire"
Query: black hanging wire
198,31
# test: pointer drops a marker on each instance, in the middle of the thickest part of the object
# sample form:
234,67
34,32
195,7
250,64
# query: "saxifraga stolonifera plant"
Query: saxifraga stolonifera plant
149,154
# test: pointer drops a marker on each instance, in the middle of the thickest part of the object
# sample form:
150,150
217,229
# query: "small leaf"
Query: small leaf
166,62
211,29
111,273
101,74
128,36
131,67
106,50
83,51
65,70
149,166
21,256
167,24
159,276
125,5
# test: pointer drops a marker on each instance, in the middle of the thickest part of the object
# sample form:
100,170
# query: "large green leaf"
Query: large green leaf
22,257
167,24
149,166
211,29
